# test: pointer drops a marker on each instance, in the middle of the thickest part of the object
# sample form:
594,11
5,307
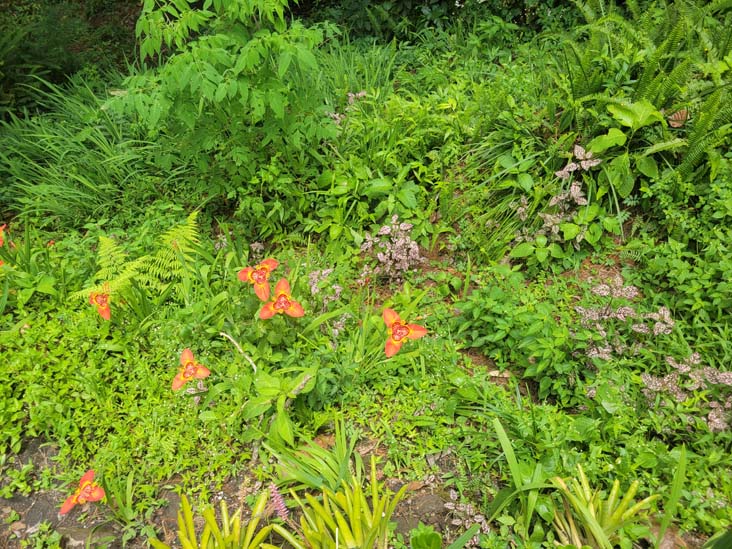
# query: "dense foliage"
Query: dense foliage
498,249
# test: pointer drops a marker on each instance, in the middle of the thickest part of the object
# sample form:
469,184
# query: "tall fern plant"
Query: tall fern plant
144,282
654,54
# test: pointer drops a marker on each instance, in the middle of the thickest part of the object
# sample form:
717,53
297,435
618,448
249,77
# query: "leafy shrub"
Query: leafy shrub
233,90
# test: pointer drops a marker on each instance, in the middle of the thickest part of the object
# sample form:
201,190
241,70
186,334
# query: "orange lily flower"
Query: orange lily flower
399,332
2,233
259,276
282,302
189,369
101,300
88,490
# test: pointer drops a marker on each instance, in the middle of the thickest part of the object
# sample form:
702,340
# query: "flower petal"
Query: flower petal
105,311
270,264
245,274
96,494
68,505
268,311
262,291
178,382
295,310
201,372
390,317
186,356
392,347
415,331
282,287
87,478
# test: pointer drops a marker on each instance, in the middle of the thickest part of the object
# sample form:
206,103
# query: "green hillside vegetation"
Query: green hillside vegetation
285,271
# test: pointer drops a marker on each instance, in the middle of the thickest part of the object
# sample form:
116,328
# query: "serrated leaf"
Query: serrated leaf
276,103
283,63
407,197
221,91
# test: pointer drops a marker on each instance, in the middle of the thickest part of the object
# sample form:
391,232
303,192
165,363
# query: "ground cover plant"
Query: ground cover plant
461,282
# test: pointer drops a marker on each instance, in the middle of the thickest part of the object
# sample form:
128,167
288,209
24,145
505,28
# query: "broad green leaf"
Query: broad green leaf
587,214
556,251
593,233
525,181
614,137
407,196
524,249
221,90
306,58
635,115
542,254
611,225
334,231
647,166
570,230
377,187
507,161
256,407
207,415
665,146
276,103
620,176
45,285
341,188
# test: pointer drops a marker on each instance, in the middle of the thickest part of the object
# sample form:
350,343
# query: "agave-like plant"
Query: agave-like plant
588,519
350,517
229,533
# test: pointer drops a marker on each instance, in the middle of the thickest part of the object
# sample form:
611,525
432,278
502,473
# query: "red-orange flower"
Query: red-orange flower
399,332
88,490
189,369
259,276
101,300
282,302
2,233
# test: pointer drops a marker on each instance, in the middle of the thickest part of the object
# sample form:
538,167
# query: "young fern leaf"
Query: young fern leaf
110,258
177,250
652,68
115,272
709,130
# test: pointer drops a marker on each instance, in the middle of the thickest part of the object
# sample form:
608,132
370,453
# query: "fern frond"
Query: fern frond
184,236
666,87
653,66
172,259
710,130
719,6
634,9
623,34
591,10
113,285
110,258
